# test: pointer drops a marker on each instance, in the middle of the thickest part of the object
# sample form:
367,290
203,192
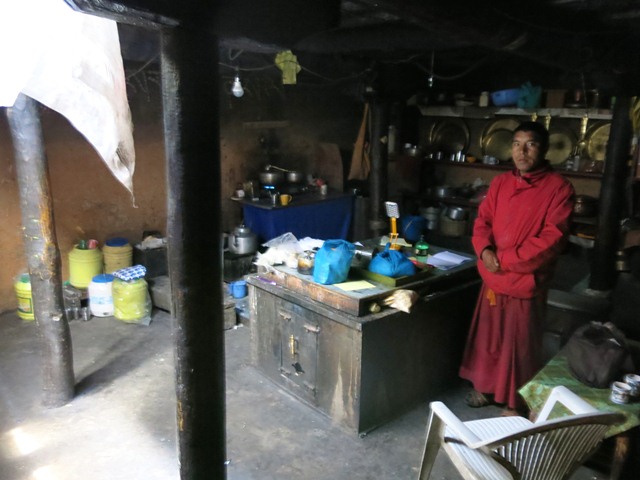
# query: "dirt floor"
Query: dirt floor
121,425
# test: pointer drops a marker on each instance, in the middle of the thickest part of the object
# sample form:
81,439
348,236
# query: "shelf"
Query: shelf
585,220
455,201
491,112
508,166
582,242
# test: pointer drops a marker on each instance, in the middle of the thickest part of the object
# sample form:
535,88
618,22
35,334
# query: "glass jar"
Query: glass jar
306,261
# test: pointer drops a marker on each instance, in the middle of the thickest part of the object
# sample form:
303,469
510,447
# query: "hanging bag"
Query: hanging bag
360,159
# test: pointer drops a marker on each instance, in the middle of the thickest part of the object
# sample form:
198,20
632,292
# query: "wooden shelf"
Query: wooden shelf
491,112
508,166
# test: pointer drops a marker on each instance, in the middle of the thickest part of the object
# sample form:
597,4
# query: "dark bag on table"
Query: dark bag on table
597,353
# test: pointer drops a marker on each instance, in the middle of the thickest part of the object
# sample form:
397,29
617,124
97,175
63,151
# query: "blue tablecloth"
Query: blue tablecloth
313,216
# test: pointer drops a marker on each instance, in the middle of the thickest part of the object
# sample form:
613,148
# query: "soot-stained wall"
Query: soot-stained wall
89,203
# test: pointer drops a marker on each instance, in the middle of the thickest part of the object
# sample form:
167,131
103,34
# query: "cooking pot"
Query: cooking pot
271,178
280,173
456,213
295,177
466,190
243,241
444,191
585,206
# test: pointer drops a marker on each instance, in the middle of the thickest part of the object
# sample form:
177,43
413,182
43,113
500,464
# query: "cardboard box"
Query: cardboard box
554,98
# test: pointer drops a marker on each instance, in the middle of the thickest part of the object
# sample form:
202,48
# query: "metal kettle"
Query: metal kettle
243,241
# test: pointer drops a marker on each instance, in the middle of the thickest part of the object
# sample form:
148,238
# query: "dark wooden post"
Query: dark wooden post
616,172
378,178
41,248
191,128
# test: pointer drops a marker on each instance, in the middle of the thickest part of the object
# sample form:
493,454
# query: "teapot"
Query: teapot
243,241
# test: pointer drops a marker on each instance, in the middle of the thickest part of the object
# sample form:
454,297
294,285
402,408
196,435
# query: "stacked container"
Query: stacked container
101,295
22,287
118,253
84,264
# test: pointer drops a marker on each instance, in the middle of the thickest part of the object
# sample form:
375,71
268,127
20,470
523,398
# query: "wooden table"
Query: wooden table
557,372
308,215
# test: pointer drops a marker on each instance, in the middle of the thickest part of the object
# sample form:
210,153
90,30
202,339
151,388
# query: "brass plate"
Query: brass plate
449,136
501,124
597,139
561,144
498,144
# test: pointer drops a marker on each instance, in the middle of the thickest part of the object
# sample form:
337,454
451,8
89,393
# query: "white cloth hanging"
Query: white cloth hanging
70,62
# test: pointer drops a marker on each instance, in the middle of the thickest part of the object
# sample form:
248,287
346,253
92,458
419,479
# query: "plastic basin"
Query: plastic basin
503,98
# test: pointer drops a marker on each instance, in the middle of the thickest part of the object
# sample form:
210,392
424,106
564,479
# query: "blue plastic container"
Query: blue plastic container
238,289
412,227
504,98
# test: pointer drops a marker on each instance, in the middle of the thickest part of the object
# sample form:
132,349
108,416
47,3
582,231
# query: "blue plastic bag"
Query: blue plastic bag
333,262
392,263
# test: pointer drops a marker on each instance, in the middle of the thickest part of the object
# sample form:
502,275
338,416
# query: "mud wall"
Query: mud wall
90,203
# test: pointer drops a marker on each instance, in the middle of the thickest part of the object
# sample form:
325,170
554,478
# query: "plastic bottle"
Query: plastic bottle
483,101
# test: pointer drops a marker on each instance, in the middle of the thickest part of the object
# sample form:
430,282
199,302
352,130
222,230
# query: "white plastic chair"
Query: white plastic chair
514,447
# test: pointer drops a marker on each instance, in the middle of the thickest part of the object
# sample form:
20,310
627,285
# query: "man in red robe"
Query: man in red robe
520,231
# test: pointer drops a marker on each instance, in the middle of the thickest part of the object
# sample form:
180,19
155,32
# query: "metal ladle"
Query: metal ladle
269,167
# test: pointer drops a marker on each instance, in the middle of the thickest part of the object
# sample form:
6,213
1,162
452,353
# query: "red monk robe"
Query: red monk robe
524,219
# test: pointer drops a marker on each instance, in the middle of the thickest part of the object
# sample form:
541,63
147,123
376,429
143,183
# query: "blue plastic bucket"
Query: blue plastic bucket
238,289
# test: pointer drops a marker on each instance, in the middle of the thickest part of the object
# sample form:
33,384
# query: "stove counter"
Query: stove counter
308,215
361,371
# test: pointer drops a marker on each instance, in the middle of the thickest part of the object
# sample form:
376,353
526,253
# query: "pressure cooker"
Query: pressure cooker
242,241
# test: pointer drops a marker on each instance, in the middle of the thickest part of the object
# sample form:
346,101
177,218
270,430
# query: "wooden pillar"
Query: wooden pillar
41,248
616,171
379,224
191,128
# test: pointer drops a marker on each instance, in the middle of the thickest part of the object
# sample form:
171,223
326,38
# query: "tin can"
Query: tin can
620,393
306,262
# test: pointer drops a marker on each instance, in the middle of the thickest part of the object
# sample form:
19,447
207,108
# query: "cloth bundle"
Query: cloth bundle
597,353
130,273
392,263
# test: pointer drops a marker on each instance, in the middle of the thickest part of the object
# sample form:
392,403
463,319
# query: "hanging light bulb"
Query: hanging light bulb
433,57
237,89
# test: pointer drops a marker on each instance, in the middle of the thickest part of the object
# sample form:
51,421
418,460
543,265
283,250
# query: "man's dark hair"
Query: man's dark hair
540,133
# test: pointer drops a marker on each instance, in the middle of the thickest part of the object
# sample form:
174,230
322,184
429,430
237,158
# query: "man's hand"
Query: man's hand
490,260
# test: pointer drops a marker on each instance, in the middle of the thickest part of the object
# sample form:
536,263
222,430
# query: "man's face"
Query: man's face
526,151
